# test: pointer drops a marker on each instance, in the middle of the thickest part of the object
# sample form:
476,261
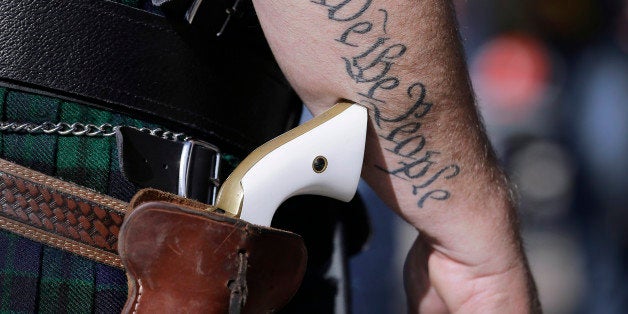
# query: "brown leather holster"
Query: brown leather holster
181,258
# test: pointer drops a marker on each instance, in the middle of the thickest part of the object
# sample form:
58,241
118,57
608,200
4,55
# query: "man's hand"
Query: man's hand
427,155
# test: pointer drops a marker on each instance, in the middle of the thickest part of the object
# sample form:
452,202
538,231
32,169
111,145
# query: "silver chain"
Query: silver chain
81,129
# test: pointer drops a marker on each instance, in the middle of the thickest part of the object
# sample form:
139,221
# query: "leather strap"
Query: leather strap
68,216
60,214
228,91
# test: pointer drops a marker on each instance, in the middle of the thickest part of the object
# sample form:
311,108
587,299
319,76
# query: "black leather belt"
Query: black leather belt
226,90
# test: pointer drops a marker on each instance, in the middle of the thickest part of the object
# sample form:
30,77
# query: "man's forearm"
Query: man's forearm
427,155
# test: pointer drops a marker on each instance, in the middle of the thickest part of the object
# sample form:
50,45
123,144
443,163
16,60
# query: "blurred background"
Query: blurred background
551,78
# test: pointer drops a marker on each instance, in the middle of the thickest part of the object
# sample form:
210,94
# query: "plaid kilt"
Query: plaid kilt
38,278
35,277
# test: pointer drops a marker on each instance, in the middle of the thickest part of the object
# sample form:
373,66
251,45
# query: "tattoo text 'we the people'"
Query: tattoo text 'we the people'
371,65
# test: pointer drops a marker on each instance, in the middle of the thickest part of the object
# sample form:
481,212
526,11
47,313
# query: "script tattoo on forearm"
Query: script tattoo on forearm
371,64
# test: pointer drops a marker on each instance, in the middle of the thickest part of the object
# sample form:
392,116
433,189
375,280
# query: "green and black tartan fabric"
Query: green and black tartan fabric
38,278
33,276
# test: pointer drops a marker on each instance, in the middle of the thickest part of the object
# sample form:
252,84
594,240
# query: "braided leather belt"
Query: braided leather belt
60,214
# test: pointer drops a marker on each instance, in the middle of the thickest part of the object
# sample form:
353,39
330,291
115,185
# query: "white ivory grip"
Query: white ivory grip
321,157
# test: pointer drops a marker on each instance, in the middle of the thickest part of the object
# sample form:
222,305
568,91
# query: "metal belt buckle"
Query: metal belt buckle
187,167
199,169
198,15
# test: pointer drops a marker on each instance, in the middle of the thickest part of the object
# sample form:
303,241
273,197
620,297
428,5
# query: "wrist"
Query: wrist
435,282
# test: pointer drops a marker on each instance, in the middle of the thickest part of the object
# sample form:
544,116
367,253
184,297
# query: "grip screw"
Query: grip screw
319,164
